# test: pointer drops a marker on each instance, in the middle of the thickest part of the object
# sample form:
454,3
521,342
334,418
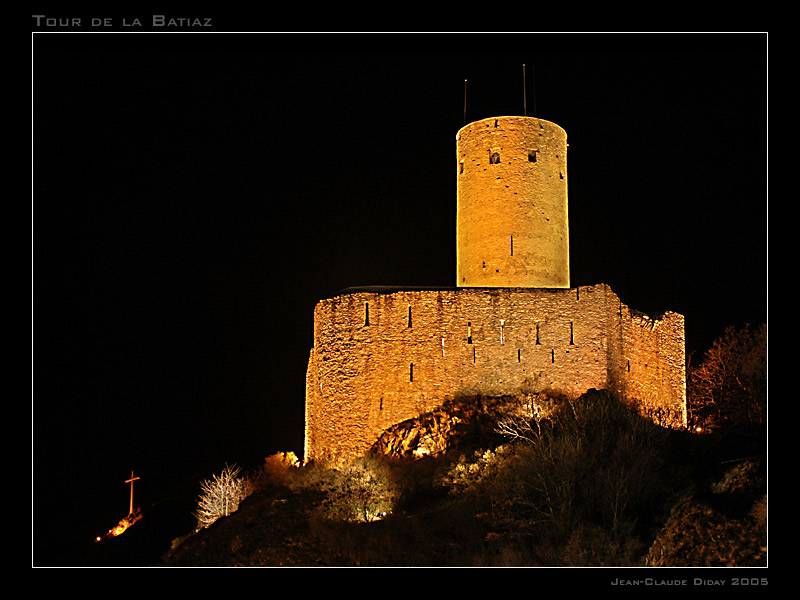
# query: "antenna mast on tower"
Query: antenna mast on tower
525,92
465,101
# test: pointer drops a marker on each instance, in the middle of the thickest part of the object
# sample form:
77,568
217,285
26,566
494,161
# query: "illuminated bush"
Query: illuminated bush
276,468
362,491
221,495
467,474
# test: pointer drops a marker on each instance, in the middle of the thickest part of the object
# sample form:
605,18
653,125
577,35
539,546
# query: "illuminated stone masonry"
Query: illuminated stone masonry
382,356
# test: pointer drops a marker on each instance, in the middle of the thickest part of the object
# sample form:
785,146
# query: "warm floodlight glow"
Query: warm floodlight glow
123,525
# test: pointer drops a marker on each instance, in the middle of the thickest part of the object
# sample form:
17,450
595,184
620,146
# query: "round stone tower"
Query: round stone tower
512,228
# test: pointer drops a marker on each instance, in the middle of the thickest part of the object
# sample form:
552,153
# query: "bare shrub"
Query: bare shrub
587,472
592,546
221,495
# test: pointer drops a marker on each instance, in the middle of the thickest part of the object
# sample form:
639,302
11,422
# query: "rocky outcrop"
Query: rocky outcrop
456,424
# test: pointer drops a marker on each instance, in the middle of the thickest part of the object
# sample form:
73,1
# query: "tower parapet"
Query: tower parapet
512,225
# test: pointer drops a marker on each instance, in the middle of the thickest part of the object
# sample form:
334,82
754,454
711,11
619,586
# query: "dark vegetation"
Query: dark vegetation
588,482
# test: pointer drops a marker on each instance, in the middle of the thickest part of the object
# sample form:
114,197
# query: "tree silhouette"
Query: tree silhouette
728,390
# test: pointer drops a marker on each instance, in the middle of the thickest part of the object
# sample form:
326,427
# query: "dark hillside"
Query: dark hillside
599,487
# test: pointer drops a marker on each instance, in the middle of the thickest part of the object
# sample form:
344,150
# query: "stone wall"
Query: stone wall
381,358
649,367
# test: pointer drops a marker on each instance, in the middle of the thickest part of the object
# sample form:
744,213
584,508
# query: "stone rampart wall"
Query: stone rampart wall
650,366
381,358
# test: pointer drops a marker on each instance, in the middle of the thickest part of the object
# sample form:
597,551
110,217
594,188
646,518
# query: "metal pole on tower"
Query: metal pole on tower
465,101
524,94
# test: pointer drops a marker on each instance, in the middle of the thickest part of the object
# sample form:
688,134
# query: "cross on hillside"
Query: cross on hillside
131,480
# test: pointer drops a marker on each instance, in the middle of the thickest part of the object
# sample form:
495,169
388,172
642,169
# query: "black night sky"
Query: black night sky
194,195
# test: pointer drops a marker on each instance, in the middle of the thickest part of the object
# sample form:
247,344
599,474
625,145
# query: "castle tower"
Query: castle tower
382,357
512,225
